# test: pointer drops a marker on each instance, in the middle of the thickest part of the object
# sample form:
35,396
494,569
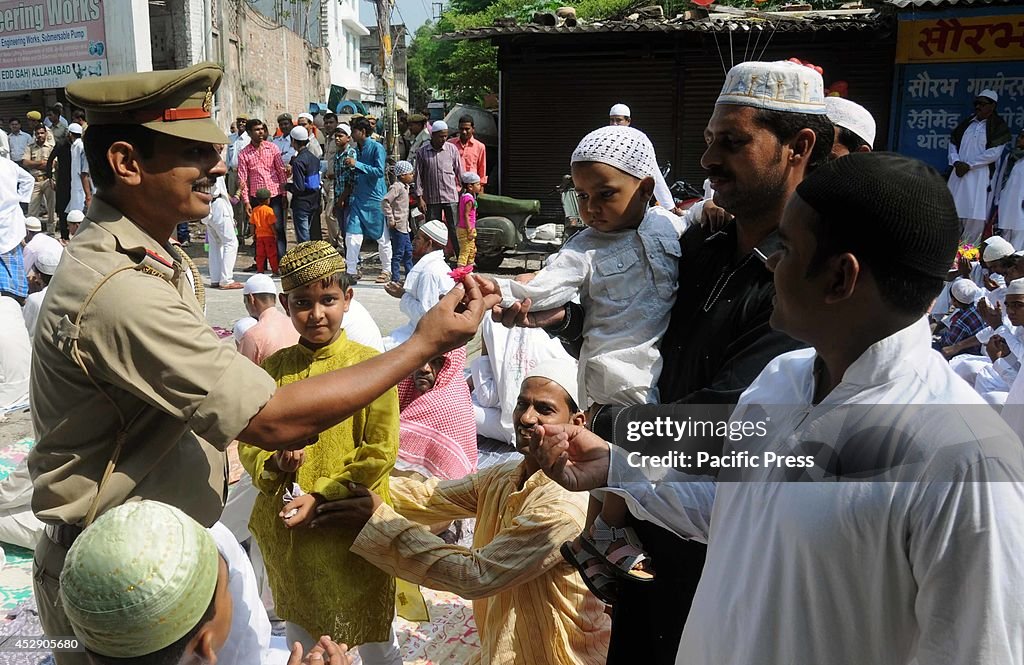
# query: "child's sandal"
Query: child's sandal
625,560
594,572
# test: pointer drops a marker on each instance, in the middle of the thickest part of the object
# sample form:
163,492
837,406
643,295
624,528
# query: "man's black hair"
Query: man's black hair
78,114
849,140
329,116
169,655
362,124
265,298
252,123
467,118
907,290
786,125
98,139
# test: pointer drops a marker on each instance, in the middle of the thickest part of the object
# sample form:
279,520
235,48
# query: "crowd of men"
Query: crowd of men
828,295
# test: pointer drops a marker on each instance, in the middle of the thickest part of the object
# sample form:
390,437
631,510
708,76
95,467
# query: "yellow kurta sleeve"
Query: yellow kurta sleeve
524,550
371,461
254,461
434,500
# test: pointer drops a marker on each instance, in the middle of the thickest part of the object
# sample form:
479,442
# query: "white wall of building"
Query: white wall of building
126,24
344,31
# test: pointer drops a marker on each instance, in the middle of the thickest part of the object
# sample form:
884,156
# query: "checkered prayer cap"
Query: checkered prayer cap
403,168
627,149
309,262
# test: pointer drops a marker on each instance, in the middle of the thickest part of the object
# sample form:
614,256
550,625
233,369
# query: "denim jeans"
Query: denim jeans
401,257
301,219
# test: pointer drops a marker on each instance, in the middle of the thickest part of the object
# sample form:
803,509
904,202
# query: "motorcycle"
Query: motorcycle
501,231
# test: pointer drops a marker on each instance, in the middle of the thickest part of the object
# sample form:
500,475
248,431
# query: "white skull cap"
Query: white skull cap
627,149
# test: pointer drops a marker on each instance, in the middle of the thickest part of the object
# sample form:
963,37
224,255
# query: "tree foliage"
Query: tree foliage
466,71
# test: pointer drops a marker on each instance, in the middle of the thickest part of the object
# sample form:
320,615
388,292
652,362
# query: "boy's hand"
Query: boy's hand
349,162
289,461
326,652
300,510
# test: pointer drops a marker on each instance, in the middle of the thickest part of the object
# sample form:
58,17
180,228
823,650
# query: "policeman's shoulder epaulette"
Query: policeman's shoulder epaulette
152,263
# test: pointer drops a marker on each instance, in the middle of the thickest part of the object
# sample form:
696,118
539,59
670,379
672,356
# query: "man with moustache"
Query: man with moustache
133,394
762,140
529,605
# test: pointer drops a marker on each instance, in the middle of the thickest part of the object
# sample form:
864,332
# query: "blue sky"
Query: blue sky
415,13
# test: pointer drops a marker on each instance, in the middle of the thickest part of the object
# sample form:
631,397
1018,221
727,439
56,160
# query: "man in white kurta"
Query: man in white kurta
81,186
1011,201
900,543
970,160
220,230
425,284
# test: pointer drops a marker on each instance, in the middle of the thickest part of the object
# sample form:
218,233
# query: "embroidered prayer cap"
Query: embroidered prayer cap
436,231
75,128
563,372
619,109
309,262
299,134
138,579
965,291
852,116
262,193
403,168
469,178
439,126
176,102
33,224
989,94
34,115
76,217
47,260
627,149
996,248
775,86
259,284
886,207
1015,288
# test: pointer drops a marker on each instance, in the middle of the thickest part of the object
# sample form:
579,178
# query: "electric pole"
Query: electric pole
387,68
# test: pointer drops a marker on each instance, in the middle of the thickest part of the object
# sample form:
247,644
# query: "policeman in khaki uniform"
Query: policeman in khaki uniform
133,395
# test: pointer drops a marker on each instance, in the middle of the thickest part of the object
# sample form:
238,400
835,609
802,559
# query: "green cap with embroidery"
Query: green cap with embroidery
139,579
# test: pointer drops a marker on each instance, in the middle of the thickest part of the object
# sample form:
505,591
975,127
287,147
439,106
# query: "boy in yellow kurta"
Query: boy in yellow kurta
319,587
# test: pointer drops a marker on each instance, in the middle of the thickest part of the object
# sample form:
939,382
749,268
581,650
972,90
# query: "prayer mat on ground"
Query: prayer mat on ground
16,576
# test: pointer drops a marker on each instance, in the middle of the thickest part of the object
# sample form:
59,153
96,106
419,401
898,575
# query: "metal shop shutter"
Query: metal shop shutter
548,108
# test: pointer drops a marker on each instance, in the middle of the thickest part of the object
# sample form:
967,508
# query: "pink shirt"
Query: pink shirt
260,167
474,156
273,332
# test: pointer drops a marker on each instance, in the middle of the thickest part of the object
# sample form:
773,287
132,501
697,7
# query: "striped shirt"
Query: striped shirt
530,606
438,173
260,167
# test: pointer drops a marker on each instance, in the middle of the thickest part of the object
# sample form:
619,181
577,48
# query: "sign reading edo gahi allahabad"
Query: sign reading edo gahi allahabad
50,43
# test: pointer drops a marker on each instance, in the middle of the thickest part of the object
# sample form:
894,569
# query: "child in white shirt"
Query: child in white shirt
624,267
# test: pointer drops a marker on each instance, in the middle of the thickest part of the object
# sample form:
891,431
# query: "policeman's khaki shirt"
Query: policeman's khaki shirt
145,341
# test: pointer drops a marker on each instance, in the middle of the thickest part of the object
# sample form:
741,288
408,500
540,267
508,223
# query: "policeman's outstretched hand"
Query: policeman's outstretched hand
455,319
571,455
